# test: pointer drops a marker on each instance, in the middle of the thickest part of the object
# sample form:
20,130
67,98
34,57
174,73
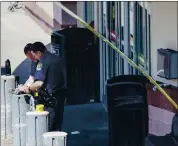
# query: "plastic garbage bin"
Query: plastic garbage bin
166,140
127,110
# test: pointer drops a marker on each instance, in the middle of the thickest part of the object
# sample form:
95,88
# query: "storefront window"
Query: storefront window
114,17
89,11
139,30
144,36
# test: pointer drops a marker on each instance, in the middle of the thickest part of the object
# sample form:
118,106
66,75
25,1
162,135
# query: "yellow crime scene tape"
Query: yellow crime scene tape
118,51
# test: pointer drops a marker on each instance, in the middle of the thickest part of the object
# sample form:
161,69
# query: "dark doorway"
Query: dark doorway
81,53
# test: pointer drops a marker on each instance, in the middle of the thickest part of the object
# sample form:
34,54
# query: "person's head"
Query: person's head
27,51
38,49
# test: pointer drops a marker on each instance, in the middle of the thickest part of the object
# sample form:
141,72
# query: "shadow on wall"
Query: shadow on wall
24,68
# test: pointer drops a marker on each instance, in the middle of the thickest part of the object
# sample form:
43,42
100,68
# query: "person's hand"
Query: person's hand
26,89
21,87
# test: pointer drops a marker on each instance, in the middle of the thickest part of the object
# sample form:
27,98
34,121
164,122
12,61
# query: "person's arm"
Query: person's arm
32,73
39,77
27,84
35,86
30,81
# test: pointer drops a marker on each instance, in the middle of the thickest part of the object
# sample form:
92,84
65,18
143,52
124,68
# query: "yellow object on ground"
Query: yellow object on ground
118,51
39,108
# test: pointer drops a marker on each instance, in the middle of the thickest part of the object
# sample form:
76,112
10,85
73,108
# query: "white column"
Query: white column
7,83
37,125
55,139
20,105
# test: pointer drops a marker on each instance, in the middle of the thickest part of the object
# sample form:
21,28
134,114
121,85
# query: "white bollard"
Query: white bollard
19,134
55,139
20,106
7,83
6,122
37,124
32,104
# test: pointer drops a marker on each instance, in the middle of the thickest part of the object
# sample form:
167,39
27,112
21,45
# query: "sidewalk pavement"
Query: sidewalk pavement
89,121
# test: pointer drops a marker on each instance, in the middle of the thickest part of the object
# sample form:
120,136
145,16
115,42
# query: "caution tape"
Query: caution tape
119,52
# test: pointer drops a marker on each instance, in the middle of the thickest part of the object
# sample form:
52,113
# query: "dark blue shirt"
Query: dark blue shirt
51,70
33,67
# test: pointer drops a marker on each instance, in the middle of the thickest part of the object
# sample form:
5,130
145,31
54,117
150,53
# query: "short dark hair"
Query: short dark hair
27,48
38,46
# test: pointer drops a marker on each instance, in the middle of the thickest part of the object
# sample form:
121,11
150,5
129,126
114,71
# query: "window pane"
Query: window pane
131,33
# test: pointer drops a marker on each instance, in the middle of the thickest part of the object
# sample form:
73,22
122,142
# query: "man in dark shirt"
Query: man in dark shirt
34,62
50,75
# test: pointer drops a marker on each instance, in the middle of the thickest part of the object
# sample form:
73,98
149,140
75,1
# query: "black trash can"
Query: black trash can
127,110
167,140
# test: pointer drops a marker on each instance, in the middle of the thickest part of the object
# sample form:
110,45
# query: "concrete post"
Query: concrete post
20,106
54,139
7,83
37,124
32,104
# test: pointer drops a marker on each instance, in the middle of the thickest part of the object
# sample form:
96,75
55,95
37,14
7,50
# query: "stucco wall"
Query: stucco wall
48,7
18,29
163,32
42,15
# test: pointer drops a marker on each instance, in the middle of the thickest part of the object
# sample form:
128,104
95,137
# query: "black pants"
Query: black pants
56,114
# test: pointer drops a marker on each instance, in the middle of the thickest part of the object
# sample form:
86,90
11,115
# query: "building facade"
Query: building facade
138,29
135,28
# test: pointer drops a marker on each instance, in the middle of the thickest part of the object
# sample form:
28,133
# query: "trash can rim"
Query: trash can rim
125,83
